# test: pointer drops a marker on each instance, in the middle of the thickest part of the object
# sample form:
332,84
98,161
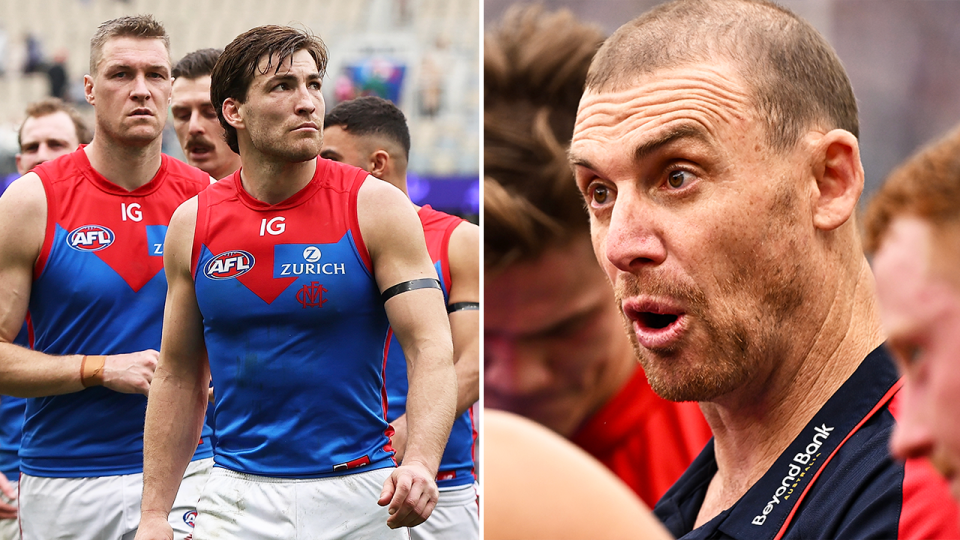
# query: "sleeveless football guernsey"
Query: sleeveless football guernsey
99,289
294,328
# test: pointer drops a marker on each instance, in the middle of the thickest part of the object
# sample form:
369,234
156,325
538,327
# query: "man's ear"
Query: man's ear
839,178
88,89
231,113
379,163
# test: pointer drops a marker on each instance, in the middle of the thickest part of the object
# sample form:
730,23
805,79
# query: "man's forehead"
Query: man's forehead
269,65
191,91
39,127
130,50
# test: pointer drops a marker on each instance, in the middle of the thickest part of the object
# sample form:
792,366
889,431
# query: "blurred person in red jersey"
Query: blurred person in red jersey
555,350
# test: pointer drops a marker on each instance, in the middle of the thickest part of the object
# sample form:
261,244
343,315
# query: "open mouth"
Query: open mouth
656,324
655,321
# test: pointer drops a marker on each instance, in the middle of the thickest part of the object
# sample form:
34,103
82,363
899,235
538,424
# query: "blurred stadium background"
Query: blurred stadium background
903,58
421,54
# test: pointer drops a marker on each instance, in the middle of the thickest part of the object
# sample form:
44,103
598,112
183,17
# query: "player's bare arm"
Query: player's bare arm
179,393
26,373
464,256
394,238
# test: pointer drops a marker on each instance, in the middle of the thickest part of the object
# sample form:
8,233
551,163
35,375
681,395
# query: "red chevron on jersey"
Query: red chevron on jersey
267,226
111,222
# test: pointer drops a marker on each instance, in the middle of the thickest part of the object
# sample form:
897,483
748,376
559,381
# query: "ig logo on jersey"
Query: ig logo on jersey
229,264
90,238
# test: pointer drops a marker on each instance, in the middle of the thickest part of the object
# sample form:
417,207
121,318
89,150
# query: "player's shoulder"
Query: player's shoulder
338,175
183,173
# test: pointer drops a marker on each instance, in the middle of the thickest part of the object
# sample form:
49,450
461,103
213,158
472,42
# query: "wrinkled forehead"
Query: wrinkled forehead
702,101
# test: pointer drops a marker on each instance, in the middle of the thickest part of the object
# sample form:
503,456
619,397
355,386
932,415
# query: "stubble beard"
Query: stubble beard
718,362
728,344
279,150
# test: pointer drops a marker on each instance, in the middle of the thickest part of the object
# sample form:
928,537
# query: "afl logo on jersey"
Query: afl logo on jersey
90,238
190,518
229,264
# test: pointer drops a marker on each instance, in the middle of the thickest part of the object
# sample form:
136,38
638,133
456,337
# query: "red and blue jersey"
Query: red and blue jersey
11,422
99,289
837,479
456,465
295,329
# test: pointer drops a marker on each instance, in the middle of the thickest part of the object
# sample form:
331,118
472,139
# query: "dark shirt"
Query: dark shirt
835,480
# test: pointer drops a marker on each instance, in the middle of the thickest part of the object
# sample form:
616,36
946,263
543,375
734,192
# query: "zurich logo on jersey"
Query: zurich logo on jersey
229,264
311,254
90,238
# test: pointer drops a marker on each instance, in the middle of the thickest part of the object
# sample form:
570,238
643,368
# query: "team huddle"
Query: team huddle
318,399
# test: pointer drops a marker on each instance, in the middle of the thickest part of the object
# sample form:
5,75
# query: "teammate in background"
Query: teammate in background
287,276
80,245
555,350
913,229
372,133
51,129
195,119
716,149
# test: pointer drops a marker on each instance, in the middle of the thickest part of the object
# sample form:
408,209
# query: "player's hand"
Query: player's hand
411,493
154,526
399,439
7,510
130,373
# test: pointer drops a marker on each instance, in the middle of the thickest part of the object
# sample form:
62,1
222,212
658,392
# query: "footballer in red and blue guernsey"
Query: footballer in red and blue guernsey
371,133
285,280
716,149
82,247
51,129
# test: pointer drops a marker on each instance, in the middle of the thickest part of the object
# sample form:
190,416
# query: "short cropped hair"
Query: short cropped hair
196,64
139,26
926,186
237,66
535,64
796,78
371,115
52,105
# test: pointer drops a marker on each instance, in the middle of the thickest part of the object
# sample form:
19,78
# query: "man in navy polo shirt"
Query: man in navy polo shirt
716,149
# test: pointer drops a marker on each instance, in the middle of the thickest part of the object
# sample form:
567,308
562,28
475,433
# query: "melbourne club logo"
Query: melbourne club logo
90,238
311,295
229,265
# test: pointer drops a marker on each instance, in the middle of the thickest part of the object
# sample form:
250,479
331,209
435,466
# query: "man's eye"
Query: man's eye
678,178
913,354
600,194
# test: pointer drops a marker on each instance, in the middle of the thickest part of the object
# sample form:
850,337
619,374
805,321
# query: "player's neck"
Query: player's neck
129,167
273,182
752,428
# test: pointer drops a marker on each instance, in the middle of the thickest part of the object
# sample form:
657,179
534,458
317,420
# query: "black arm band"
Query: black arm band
463,306
412,285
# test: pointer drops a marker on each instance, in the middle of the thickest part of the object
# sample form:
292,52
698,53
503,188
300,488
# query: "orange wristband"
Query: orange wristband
91,371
